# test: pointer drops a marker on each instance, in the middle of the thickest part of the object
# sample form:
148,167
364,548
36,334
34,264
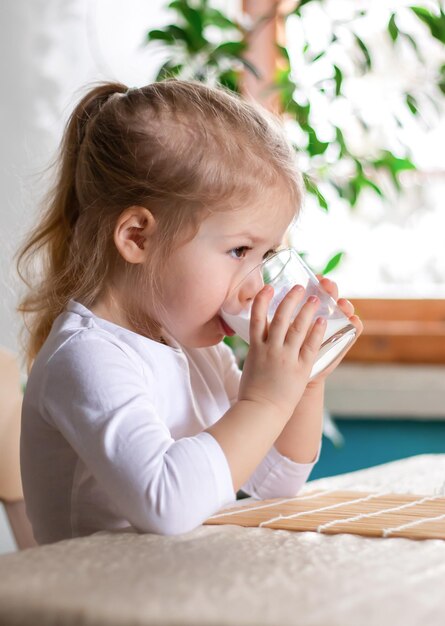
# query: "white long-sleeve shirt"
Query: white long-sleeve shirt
112,433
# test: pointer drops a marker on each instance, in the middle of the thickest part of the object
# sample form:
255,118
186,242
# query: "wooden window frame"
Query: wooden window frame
400,331
395,330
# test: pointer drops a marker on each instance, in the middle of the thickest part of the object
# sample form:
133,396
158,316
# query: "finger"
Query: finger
346,307
312,344
283,315
357,322
258,316
330,287
300,326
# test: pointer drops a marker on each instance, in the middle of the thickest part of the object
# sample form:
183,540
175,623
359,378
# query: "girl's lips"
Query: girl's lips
227,330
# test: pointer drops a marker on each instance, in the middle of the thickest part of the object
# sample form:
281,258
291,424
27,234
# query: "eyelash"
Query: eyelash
245,249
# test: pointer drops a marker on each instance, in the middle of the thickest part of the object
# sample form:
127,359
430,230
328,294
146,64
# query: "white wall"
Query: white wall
50,49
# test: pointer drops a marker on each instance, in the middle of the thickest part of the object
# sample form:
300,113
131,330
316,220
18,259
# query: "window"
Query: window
394,266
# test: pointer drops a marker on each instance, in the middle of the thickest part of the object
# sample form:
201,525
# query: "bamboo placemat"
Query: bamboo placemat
377,514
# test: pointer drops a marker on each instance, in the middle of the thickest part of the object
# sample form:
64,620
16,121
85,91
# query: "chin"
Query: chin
203,339
202,342
202,336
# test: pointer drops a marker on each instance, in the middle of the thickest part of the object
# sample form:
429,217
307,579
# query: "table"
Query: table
233,576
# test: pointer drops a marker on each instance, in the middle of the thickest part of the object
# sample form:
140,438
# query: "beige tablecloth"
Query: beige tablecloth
233,576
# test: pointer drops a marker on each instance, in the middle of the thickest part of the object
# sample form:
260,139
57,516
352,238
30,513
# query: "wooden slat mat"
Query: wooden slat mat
377,514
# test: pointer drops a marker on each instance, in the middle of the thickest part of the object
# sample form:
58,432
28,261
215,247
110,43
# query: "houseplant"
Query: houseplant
205,44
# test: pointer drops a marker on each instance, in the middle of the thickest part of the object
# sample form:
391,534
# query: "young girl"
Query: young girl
135,412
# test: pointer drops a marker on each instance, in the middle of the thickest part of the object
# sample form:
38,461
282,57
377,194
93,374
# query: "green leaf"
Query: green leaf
355,185
160,35
358,167
435,23
351,191
168,70
339,189
287,101
230,79
213,17
315,146
367,182
299,6
441,81
313,189
412,104
193,26
332,263
283,52
365,52
192,16
318,56
338,78
394,165
392,27
178,34
301,111
230,49
339,137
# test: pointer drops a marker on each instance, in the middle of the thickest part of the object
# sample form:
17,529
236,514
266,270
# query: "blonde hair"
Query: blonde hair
181,149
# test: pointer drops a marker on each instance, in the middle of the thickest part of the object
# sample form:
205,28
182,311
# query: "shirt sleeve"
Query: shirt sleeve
100,400
276,476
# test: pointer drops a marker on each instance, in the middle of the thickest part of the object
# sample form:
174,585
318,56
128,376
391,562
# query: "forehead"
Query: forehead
264,221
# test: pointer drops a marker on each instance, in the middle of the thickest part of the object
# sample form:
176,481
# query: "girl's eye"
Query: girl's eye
239,253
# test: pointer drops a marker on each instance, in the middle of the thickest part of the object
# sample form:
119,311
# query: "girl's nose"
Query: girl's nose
250,286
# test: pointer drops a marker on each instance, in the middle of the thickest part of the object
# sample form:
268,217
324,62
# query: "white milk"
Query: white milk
339,331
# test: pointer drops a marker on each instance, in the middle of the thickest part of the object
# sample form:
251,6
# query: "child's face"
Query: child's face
200,274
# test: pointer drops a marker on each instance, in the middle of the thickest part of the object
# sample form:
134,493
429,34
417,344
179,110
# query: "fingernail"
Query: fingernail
320,321
298,288
312,299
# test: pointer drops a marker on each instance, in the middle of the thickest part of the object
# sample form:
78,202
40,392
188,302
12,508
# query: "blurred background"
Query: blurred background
360,86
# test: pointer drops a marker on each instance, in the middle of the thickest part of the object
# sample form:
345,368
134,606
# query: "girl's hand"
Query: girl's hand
348,309
281,355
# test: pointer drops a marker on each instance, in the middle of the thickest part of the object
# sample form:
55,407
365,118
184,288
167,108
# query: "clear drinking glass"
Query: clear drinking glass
283,270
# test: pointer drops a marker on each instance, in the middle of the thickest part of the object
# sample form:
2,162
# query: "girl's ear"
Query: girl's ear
133,229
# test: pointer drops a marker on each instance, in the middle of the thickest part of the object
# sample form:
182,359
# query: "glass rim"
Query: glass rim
289,250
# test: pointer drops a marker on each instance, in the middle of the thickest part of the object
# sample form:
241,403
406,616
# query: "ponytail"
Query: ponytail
53,236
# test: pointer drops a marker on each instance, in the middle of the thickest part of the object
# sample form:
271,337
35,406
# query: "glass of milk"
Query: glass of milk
283,270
